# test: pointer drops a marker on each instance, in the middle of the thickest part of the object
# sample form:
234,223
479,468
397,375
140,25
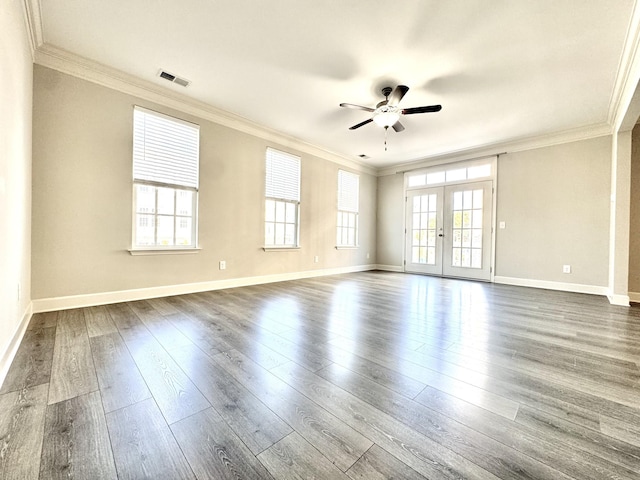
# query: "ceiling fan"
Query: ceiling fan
387,112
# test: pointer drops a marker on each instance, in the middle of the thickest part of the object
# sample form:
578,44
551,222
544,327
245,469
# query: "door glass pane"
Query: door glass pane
433,203
457,237
455,257
477,219
432,221
457,201
477,198
467,199
466,238
466,219
466,257
431,239
423,238
457,219
476,258
467,229
476,239
424,228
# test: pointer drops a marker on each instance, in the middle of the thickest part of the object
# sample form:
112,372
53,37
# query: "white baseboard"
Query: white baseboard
103,298
12,348
634,297
622,300
565,287
390,268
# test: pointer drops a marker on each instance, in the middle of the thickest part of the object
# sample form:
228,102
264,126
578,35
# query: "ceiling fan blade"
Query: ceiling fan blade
398,127
397,94
427,109
356,107
361,124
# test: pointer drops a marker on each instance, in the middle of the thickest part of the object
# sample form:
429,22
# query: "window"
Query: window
348,199
165,181
282,202
436,176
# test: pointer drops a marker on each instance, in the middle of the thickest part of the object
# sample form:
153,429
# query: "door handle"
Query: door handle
441,234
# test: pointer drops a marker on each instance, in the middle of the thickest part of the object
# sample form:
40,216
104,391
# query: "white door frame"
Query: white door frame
437,176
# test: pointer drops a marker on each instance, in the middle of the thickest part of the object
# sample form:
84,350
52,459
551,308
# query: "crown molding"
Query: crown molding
625,86
33,21
67,62
628,73
501,148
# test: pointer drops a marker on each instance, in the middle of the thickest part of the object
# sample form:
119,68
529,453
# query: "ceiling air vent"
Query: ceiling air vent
172,78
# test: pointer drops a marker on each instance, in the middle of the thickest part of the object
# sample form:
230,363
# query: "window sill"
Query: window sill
164,251
280,249
347,247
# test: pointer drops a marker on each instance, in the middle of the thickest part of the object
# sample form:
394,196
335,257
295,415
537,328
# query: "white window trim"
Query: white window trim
280,249
355,211
167,249
164,251
288,195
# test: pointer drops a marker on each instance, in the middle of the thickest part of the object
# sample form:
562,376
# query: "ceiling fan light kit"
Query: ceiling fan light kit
386,116
387,112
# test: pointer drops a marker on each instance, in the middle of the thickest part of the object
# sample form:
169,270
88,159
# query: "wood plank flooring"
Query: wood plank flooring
370,375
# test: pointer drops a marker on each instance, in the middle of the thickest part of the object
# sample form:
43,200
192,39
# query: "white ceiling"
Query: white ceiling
503,70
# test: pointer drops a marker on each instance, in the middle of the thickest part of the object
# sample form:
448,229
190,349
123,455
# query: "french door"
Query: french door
449,230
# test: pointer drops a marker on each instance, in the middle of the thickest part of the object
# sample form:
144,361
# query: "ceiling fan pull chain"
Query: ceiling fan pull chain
386,129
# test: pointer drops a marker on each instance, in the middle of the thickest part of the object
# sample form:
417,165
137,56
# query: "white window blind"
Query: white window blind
283,175
348,191
165,149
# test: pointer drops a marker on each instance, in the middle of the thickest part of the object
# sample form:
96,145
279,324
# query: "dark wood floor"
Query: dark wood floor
364,376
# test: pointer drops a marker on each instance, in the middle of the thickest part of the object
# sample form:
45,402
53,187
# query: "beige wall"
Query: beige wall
555,202
82,200
15,175
634,234
391,220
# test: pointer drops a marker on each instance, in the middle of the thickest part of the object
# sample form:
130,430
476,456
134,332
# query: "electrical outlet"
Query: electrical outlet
315,259
223,265
367,255
566,269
